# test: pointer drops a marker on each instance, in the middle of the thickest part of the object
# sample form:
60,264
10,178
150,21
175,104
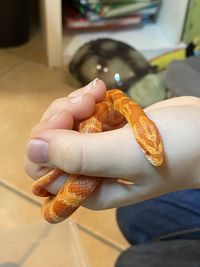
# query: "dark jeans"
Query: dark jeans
164,231
171,216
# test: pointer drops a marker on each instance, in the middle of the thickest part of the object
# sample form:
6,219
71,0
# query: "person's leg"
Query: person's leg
170,253
164,231
171,216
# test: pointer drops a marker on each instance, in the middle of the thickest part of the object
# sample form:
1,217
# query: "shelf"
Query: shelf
151,40
148,40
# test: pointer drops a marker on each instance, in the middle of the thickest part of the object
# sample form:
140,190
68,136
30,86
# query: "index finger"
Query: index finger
72,102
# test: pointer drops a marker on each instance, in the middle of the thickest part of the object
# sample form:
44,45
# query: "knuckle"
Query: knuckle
56,103
57,100
55,106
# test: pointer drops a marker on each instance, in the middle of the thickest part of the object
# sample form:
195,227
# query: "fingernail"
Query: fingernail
94,83
37,151
76,97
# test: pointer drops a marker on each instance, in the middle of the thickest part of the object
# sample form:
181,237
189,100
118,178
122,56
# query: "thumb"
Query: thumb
108,154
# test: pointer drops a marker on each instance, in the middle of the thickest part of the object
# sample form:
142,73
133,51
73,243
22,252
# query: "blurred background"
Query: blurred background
149,49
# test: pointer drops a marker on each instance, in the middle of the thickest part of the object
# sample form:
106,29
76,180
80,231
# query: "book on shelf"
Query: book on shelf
110,14
77,22
124,9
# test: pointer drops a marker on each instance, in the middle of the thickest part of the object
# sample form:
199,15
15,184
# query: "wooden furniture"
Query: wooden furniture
151,40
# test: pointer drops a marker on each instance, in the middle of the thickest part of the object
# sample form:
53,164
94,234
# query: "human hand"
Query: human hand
116,153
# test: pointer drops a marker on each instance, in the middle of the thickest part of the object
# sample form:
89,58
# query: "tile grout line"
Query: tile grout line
20,193
81,227
101,238
13,68
29,58
24,61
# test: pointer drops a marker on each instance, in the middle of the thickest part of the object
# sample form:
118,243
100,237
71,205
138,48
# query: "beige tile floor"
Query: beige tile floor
27,87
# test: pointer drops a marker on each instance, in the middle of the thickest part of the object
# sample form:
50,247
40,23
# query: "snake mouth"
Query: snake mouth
155,160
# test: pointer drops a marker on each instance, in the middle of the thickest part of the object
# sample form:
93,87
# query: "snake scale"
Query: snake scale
78,187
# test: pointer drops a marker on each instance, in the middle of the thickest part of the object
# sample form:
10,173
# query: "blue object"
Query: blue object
169,217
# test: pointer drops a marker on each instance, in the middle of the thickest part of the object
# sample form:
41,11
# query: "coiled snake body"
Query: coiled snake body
78,187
